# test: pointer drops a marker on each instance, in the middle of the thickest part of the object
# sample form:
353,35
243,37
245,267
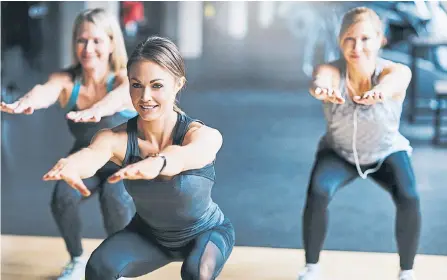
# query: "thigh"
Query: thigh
330,172
396,175
64,192
128,253
211,249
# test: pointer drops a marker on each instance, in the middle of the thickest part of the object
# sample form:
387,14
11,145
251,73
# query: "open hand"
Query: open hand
21,106
146,169
369,98
87,115
328,95
64,171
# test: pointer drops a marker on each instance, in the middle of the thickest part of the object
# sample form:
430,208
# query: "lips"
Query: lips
148,107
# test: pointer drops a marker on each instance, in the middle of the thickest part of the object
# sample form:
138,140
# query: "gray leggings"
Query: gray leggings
134,252
117,207
331,172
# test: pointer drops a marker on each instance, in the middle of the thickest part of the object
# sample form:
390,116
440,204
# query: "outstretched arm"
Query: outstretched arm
115,101
326,83
393,84
84,163
40,97
200,147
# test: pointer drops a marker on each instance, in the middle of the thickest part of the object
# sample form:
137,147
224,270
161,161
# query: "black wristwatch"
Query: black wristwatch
164,163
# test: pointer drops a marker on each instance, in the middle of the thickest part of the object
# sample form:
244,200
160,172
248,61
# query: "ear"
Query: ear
112,46
384,41
180,83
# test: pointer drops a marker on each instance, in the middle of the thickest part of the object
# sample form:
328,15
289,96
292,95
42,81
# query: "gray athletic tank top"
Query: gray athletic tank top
84,132
179,209
372,130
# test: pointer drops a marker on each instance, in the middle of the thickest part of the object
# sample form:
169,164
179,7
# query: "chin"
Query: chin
149,117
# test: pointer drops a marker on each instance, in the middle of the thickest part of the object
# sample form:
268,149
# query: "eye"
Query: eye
349,39
157,85
365,39
136,85
97,41
81,41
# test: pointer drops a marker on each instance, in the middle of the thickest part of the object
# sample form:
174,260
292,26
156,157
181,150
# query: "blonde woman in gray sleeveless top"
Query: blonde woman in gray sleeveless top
362,97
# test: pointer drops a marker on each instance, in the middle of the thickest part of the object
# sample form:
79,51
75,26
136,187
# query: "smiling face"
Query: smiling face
361,43
152,89
92,46
361,37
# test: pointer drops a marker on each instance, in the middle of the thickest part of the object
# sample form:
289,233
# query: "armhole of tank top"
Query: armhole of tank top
132,149
126,113
71,104
110,82
186,124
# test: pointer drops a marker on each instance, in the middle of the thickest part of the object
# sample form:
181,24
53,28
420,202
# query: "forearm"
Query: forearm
325,77
115,101
86,162
395,82
183,158
175,160
40,97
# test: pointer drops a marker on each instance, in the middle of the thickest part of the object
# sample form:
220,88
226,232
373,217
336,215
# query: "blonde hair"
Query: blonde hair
100,18
360,14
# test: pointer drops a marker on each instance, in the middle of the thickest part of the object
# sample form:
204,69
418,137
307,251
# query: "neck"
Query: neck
159,131
360,77
96,75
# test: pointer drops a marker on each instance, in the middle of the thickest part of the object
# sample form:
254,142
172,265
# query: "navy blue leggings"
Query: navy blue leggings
116,204
331,172
134,252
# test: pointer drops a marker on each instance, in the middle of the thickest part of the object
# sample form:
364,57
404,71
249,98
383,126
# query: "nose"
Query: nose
358,45
89,46
147,95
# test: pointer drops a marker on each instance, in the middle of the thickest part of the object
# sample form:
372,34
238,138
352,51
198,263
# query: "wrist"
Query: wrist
159,161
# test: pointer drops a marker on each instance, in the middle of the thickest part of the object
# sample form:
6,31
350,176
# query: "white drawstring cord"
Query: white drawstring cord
354,149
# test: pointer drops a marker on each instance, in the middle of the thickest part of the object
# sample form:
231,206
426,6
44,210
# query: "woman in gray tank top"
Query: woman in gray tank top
362,98
167,162
94,91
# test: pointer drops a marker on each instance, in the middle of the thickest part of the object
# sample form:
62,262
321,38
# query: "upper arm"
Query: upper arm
326,75
56,83
203,140
121,79
103,146
401,70
53,88
397,73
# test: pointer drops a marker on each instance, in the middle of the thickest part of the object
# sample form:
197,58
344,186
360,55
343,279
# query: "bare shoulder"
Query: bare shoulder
61,78
327,69
199,130
121,77
114,140
392,66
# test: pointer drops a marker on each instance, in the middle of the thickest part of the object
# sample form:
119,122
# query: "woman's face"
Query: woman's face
153,89
93,46
361,43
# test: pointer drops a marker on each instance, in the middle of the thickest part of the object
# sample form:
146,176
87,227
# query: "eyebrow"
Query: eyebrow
152,81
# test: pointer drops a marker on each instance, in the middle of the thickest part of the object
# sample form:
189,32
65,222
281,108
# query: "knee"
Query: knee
407,196
409,200
98,267
204,271
319,192
63,198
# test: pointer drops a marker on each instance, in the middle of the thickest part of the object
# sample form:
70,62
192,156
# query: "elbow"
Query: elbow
404,73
